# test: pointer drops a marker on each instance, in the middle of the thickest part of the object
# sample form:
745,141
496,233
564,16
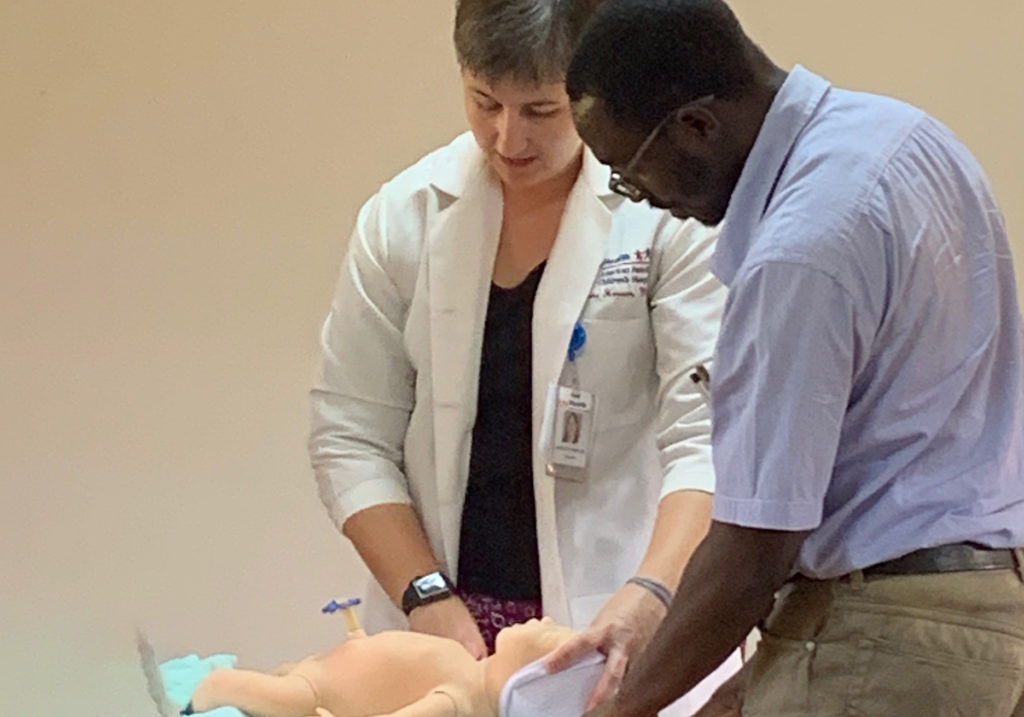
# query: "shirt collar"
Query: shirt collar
790,112
453,171
596,175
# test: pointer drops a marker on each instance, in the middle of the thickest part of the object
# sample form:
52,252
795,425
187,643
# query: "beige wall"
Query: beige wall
177,181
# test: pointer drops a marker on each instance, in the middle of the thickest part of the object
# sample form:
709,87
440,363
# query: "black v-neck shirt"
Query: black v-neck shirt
498,545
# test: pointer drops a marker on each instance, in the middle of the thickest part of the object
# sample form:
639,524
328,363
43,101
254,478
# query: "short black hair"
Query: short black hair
644,58
528,41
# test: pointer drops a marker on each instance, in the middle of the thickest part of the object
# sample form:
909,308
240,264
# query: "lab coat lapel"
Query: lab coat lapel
568,278
462,247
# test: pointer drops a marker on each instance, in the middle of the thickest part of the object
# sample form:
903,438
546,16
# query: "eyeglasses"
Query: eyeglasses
626,187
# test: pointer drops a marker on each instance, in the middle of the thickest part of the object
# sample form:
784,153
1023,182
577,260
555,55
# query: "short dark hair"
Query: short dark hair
529,41
643,58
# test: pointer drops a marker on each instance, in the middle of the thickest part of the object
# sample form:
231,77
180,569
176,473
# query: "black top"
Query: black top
498,545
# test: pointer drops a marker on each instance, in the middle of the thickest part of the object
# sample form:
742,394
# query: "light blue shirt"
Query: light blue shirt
869,379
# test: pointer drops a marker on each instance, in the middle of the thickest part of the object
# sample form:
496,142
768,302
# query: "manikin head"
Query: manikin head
671,94
519,645
514,55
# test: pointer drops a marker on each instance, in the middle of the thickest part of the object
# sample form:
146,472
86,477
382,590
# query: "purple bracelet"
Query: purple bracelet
655,588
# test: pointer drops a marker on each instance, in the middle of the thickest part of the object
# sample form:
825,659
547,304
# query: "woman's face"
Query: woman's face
526,131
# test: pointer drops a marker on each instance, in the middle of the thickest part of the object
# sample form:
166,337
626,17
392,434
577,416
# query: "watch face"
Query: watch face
430,585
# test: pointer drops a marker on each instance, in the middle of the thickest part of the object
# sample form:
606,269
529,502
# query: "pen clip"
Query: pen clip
702,380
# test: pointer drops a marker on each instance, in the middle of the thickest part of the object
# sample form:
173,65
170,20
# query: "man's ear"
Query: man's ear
695,123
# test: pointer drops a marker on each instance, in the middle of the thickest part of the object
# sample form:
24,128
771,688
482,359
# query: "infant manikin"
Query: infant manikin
394,673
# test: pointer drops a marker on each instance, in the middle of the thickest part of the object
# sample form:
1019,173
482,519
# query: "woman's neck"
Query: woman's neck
530,222
555,189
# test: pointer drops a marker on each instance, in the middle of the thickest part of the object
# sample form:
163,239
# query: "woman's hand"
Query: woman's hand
622,629
449,618
607,708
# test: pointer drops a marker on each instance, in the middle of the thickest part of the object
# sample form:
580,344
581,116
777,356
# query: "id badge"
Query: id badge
568,431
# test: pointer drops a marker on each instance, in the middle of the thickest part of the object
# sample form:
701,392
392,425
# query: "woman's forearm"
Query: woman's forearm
682,521
391,541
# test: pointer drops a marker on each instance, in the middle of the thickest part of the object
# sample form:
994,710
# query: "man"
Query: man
868,384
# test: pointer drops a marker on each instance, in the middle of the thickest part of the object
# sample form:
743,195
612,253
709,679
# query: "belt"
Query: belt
952,558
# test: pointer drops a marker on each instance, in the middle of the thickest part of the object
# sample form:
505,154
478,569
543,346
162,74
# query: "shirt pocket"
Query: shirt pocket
617,365
616,308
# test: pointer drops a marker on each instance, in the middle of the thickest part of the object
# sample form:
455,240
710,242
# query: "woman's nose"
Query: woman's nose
511,134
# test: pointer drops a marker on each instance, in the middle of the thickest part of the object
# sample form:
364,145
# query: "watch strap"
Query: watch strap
416,595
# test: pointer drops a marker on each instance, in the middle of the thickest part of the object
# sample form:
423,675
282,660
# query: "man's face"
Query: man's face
681,169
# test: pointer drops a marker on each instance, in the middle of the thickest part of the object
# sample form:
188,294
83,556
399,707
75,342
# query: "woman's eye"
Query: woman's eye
488,106
540,114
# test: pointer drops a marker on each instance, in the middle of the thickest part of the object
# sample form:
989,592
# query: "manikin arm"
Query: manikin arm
446,701
255,693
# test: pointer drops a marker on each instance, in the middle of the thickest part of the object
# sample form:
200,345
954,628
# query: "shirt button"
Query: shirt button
809,646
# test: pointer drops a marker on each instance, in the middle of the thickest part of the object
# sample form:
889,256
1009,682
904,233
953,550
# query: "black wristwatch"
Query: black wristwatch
426,589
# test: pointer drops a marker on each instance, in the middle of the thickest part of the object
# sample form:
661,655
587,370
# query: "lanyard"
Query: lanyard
576,343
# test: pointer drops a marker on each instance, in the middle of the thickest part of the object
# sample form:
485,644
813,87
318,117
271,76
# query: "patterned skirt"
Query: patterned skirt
492,614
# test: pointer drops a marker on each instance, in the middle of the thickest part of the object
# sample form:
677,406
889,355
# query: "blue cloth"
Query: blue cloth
869,374
182,675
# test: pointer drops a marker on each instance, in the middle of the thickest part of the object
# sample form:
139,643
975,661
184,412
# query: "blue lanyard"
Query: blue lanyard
577,341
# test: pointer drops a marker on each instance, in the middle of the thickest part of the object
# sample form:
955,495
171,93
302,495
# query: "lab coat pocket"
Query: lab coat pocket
617,365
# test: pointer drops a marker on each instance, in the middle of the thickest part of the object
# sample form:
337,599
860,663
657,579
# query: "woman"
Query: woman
467,277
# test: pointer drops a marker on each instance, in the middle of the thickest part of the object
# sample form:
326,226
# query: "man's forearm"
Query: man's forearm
727,587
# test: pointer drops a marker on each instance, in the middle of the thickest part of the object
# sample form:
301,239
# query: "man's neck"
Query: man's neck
755,105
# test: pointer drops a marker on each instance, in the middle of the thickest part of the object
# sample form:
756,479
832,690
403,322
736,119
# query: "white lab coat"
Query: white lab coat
395,404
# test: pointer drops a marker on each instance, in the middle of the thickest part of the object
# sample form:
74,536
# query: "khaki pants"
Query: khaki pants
907,646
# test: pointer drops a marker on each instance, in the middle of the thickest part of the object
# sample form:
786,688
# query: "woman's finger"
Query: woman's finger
611,678
574,650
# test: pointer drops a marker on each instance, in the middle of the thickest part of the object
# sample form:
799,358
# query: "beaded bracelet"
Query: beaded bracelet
654,587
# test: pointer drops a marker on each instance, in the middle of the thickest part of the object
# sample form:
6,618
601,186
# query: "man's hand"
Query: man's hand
449,618
622,628
728,698
726,702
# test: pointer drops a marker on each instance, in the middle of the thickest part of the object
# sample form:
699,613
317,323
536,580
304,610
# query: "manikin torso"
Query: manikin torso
398,673
378,675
